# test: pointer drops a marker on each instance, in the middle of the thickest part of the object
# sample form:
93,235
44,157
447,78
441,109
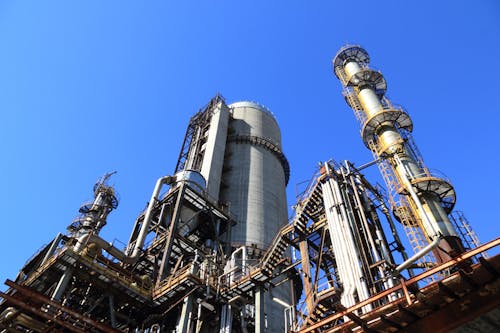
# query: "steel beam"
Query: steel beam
35,295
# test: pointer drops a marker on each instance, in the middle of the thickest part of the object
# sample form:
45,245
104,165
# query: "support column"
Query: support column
62,285
260,315
164,266
186,315
306,271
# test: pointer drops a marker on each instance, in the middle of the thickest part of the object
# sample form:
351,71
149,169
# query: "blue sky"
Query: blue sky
88,87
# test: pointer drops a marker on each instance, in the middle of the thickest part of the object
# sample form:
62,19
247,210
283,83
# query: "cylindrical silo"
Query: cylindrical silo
253,183
255,175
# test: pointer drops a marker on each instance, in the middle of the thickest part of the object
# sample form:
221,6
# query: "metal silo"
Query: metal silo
255,175
253,183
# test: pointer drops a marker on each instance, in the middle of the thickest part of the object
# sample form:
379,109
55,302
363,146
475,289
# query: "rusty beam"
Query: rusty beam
390,322
408,312
405,291
460,311
434,270
318,264
9,329
447,290
470,281
36,311
36,295
306,270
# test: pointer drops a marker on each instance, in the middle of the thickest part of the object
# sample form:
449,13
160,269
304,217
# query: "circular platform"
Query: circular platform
350,52
394,116
441,187
371,78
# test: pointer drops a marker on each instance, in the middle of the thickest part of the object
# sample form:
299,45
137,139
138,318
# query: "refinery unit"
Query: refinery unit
215,250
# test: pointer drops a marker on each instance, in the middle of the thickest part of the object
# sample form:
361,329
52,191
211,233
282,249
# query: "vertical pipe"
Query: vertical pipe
148,215
184,323
260,326
62,284
112,314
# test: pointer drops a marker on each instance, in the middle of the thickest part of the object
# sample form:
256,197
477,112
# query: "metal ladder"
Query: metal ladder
465,231
399,203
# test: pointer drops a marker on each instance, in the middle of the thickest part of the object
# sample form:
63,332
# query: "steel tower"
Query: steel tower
420,198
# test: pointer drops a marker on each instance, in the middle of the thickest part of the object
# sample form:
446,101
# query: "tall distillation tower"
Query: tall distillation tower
419,199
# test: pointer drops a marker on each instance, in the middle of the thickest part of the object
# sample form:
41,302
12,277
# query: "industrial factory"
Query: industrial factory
215,250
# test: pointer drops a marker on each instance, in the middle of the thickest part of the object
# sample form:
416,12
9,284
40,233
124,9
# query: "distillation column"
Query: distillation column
92,220
383,126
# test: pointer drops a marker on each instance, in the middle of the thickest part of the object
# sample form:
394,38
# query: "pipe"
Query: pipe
417,256
112,316
139,243
62,284
52,248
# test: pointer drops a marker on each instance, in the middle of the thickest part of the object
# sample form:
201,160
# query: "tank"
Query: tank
193,178
255,176
253,183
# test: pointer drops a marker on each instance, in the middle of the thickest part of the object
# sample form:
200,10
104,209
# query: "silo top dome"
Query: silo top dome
254,105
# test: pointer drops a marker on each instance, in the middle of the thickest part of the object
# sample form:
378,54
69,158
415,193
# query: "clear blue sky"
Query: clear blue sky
88,87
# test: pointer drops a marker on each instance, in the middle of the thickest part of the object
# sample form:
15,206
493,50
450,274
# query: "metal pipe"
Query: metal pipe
62,284
351,253
103,244
112,314
139,242
52,248
362,215
418,255
431,231
260,324
148,215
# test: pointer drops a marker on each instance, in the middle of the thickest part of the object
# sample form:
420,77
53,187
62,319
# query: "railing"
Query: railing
402,288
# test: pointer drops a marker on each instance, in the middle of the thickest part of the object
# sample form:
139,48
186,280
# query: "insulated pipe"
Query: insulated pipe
62,284
103,244
418,255
351,252
139,243
342,241
338,243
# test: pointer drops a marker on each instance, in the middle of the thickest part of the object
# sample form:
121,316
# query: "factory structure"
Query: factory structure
215,250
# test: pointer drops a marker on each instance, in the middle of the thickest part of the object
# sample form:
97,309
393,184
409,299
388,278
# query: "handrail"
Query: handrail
404,283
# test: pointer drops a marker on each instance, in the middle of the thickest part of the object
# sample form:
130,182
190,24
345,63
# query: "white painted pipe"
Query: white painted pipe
341,251
352,253
139,243
417,256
